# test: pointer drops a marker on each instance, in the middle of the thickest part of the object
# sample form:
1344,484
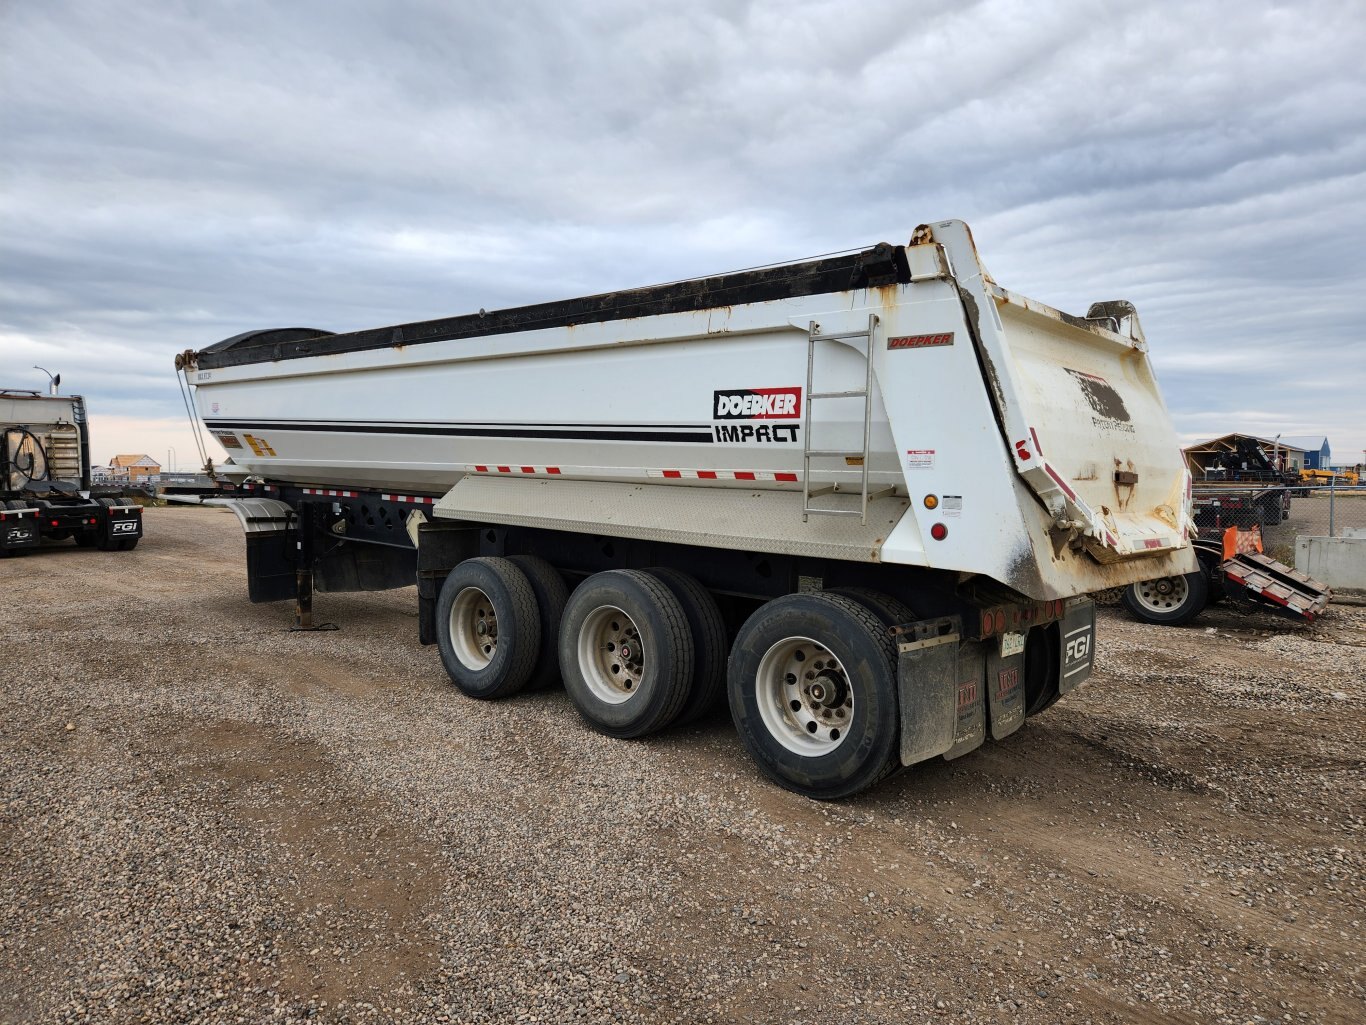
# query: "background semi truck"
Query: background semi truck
863,496
45,487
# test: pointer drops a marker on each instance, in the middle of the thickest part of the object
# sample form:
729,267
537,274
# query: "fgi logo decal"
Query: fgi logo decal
756,404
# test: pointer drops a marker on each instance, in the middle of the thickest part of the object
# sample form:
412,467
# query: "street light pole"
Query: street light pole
52,381
170,458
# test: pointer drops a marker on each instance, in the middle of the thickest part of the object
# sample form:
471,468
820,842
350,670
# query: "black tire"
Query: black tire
792,631
892,611
85,539
551,597
643,691
1042,663
59,535
491,593
709,643
1169,601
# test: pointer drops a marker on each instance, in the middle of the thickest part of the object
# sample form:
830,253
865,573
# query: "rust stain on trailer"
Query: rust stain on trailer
989,368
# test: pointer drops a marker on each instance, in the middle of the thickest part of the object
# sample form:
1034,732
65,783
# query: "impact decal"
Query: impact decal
756,404
227,439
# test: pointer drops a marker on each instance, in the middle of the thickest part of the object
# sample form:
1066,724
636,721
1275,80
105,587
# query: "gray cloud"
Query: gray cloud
173,174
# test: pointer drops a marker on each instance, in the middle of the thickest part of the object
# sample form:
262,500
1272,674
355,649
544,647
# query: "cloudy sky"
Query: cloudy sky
174,172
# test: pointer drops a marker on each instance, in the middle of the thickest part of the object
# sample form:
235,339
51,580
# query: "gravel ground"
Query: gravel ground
206,818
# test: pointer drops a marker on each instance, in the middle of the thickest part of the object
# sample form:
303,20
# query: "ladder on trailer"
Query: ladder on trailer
866,394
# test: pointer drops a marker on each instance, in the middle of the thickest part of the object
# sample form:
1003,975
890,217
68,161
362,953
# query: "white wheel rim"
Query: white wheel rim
804,696
1165,594
611,656
474,628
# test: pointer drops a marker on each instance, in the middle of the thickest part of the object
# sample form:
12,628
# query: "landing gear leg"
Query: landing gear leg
303,577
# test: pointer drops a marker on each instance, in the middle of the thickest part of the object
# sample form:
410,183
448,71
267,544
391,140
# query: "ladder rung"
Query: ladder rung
854,394
833,512
832,452
840,337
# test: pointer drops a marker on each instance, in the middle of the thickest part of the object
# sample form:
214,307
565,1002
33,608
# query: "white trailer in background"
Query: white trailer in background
866,495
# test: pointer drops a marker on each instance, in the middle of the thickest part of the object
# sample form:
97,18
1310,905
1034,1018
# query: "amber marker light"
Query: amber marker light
931,501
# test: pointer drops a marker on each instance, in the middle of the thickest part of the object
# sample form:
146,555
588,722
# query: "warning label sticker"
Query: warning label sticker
951,505
920,459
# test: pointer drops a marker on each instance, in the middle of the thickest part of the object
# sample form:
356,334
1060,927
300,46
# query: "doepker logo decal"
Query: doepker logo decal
758,404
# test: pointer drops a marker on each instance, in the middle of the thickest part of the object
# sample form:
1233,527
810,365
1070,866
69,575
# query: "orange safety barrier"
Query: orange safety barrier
1242,542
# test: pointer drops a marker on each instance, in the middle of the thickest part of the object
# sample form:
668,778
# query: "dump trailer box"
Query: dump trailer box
865,495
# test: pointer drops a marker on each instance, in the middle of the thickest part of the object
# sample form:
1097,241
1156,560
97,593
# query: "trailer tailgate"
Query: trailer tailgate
1082,416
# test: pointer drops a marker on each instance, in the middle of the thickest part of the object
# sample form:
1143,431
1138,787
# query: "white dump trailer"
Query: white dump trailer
864,495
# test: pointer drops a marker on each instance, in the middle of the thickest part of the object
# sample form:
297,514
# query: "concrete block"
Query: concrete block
1335,561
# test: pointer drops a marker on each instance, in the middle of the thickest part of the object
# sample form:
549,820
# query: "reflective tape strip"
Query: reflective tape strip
527,470
755,475
331,493
410,499
555,471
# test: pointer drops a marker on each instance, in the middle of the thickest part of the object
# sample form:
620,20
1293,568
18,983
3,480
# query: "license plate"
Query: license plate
1012,644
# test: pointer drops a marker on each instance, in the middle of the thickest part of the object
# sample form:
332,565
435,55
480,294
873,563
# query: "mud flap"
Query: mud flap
927,681
1078,629
19,529
1005,689
970,722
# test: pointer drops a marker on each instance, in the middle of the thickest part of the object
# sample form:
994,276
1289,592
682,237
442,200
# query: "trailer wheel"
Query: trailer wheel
551,596
813,693
488,628
625,653
1169,601
891,611
708,629
1042,663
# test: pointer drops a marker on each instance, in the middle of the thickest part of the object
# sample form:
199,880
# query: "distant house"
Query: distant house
134,468
1317,454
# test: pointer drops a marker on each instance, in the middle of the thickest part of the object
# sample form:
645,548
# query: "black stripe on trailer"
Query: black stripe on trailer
692,435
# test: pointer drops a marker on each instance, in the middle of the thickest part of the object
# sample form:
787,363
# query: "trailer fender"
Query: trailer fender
269,527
